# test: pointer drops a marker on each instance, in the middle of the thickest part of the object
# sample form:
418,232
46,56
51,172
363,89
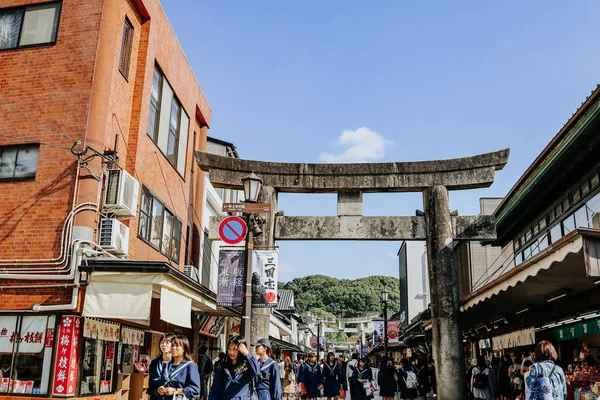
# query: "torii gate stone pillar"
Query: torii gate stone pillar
437,227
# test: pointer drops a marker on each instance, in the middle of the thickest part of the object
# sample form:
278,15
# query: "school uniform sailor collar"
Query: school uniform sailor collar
312,368
361,373
331,369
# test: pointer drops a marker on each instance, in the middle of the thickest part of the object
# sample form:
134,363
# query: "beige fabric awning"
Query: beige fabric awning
128,295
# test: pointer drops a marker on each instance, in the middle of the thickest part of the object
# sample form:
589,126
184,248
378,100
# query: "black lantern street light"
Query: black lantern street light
252,186
384,302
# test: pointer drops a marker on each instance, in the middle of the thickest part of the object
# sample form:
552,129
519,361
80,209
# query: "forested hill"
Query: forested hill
343,298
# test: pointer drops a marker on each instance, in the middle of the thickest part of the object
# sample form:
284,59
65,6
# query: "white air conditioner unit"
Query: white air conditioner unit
192,272
121,195
114,236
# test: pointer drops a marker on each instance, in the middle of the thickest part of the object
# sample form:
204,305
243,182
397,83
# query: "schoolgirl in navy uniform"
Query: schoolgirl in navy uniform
333,377
361,375
233,380
269,375
183,378
312,377
159,368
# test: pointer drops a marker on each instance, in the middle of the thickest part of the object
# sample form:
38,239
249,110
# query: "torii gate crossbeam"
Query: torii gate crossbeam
437,226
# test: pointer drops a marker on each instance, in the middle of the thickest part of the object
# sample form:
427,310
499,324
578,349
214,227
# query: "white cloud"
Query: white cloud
363,145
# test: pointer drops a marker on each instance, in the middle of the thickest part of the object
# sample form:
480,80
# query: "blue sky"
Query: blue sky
317,81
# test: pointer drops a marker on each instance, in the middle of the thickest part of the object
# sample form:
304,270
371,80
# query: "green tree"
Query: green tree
343,298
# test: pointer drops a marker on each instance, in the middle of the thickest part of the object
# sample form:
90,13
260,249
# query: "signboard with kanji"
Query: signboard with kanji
30,338
67,356
264,278
230,281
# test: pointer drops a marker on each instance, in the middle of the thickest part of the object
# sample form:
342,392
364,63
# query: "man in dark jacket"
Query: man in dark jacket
205,366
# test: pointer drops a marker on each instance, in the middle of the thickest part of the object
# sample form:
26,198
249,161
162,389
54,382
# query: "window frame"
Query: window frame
20,147
181,111
158,106
126,46
23,9
150,227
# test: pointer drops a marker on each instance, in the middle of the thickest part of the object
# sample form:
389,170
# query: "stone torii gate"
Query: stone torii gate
437,226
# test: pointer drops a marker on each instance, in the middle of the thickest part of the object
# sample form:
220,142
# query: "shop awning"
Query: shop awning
128,295
565,267
283,345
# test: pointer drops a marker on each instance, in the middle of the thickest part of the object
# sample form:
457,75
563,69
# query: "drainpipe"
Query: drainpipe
75,260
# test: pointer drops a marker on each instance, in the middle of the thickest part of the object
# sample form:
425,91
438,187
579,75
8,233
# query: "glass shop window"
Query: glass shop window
26,353
569,224
97,366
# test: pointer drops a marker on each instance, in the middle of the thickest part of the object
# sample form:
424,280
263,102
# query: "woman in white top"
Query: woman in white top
480,381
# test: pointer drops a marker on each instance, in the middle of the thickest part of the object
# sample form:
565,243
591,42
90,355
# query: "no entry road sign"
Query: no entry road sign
232,230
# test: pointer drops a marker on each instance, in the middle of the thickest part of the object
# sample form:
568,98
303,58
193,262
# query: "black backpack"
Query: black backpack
480,380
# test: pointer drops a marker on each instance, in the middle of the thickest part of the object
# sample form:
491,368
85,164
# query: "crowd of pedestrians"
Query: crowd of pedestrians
237,375
532,375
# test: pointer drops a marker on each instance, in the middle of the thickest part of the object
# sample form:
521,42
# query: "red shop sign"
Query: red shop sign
49,337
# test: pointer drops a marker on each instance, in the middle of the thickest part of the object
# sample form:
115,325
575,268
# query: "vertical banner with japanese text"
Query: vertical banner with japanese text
264,278
230,284
67,356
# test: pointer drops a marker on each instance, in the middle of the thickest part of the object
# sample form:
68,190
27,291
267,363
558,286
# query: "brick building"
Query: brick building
101,206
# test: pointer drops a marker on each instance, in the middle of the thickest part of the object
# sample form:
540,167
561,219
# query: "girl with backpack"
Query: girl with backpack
480,380
236,378
183,379
407,380
546,380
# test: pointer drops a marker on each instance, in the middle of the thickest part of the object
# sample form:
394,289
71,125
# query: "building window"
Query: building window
126,43
18,162
159,226
97,368
168,122
155,96
173,139
25,357
29,25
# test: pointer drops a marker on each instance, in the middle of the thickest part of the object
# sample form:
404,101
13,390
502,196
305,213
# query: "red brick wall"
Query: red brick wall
51,84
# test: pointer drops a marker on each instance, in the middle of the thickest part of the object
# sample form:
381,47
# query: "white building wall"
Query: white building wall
417,278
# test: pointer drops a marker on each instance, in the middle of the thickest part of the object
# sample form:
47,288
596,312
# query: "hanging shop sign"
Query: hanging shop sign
132,336
393,332
67,356
211,325
485,344
102,330
313,343
230,283
580,329
29,339
523,337
264,278
234,327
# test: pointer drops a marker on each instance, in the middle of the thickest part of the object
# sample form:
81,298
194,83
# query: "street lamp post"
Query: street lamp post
384,302
252,186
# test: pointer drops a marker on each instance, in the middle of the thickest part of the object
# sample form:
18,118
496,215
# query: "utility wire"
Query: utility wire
35,120
35,141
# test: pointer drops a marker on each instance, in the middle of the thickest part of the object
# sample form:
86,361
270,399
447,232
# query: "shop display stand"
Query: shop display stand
123,386
140,382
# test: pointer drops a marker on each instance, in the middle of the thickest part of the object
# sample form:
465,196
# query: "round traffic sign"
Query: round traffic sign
232,230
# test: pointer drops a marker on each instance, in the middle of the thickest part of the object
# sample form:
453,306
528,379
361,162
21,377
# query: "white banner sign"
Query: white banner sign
524,337
30,338
103,330
264,278
132,336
